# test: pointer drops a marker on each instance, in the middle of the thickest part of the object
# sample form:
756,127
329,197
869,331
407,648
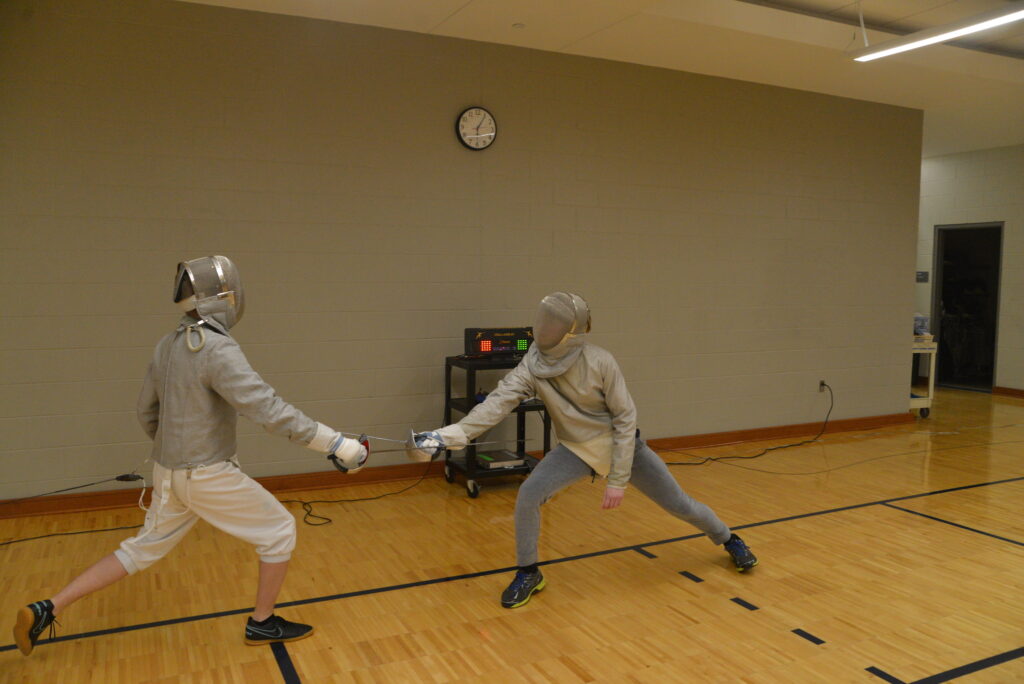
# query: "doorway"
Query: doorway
965,304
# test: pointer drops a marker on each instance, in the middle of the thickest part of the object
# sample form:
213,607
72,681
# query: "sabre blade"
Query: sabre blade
507,441
406,442
382,439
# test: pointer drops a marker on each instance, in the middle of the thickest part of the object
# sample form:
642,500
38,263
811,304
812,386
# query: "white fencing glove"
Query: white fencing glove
349,455
424,446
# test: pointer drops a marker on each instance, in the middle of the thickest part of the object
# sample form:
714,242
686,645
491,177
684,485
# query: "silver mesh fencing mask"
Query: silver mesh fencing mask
217,287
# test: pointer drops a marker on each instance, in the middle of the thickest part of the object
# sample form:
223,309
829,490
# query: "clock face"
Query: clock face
476,128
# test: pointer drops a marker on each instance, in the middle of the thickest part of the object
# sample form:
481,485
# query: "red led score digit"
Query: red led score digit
485,345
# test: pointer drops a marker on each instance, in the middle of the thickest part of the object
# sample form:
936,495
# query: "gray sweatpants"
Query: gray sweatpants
561,467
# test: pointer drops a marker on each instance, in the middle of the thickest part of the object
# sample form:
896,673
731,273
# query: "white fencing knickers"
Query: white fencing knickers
222,495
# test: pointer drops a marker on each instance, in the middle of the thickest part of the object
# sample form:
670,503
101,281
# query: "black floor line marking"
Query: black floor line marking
952,489
970,668
861,505
484,573
882,674
949,522
810,637
690,576
740,602
644,552
284,662
243,611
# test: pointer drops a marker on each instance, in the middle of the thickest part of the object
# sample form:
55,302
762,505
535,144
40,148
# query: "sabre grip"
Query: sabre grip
424,446
347,457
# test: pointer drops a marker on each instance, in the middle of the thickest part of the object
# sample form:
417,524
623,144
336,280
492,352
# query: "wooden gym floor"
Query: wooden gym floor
893,555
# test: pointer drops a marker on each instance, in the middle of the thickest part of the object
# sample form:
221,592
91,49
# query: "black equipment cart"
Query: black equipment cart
468,463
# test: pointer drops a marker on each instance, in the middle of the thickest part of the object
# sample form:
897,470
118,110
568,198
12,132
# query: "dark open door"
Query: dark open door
965,304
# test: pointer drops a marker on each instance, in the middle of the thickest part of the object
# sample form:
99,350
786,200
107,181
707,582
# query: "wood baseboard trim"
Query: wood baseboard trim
779,432
122,498
1008,392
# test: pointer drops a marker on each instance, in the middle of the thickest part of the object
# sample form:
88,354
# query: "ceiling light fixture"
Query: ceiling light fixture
1011,12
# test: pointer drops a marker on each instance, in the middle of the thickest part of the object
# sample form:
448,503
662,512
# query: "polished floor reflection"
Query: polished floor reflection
887,555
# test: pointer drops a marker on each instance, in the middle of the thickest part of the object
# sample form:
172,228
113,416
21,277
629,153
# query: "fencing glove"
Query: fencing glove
426,446
349,455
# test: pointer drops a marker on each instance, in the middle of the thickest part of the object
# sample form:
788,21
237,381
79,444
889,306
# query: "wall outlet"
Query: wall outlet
821,385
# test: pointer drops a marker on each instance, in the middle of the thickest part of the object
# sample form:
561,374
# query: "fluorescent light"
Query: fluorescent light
1013,11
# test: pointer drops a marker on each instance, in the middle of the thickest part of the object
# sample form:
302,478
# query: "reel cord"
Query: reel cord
307,506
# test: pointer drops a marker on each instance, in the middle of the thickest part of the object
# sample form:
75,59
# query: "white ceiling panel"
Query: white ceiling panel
946,12
543,24
406,15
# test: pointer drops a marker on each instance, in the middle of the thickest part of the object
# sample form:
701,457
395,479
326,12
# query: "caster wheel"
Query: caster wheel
472,488
925,412
449,474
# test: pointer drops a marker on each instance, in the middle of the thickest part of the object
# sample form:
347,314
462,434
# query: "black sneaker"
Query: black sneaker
32,620
741,554
274,630
522,588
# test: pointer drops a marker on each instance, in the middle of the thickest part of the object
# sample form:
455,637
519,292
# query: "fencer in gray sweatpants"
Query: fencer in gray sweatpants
595,420
561,467
594,417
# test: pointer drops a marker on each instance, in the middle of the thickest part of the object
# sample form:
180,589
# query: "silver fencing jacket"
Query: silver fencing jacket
190,402
590,407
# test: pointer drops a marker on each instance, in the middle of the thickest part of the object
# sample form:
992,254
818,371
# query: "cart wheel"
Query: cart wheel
924,412
472,488
449,475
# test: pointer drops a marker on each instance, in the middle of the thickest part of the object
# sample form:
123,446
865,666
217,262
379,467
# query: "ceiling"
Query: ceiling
972,93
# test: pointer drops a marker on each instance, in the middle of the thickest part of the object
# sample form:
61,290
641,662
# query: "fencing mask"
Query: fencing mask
217,290
563,319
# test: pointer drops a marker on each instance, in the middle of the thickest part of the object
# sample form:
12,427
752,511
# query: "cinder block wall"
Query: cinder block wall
984,186
737,242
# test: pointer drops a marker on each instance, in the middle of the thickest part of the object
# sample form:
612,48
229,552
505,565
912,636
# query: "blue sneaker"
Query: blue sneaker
32,620
741,554
522,588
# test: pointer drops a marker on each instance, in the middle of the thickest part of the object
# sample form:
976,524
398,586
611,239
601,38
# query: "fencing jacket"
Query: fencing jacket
590,407
190,402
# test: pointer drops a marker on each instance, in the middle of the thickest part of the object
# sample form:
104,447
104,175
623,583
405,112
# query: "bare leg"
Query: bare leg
105,572
271,579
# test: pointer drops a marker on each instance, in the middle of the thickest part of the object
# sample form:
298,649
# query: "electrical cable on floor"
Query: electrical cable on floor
307,506
66,534
126,477
711,459
725,459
